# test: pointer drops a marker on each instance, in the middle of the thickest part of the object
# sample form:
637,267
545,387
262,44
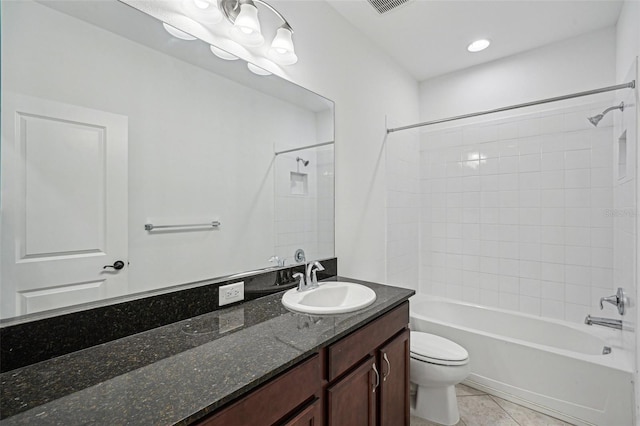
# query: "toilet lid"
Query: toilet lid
437,350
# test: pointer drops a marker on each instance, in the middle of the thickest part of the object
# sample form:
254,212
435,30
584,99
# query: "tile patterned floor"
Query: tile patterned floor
480,409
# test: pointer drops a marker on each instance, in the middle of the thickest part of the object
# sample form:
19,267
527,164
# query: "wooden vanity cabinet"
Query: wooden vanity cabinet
309,416
289,399
368,374
376,393
352,400
360,380
394,385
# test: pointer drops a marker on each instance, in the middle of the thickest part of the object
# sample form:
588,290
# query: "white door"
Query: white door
63,206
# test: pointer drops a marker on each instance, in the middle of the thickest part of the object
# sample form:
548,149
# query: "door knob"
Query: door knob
117,265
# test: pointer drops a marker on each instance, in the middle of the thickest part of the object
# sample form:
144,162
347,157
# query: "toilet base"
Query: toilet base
437,405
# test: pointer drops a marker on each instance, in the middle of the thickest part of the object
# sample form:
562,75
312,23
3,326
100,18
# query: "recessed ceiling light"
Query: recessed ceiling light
478,45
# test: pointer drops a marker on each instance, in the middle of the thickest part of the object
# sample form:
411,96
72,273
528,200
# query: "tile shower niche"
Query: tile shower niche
622,156
299,183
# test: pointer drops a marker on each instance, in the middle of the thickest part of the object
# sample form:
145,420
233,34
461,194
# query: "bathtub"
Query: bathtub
554,367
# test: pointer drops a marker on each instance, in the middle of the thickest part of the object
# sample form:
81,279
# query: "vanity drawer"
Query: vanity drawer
273,401
345,353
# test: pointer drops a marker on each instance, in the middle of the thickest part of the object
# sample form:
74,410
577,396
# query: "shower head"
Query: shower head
596,118
304,162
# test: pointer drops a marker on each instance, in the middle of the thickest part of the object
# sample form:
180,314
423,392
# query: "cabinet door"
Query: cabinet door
352,400
274,400
394,385
310,416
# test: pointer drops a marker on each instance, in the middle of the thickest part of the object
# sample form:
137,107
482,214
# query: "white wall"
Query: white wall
627,38
577,64
339,63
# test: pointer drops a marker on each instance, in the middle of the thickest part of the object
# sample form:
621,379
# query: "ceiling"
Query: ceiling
429,38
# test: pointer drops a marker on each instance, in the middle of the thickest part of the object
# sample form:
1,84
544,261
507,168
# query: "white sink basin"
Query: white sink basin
333,297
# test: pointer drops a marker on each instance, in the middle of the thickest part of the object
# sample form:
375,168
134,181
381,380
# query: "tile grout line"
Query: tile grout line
505,411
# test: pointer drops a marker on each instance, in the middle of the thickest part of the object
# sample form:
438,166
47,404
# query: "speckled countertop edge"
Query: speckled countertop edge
179,373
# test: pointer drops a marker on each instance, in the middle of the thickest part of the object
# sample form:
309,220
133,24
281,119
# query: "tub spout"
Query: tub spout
605,322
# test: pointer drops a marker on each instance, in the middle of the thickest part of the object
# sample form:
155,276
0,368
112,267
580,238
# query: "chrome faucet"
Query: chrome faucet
619,300
302,285
277,260
311,280
312,268
605,322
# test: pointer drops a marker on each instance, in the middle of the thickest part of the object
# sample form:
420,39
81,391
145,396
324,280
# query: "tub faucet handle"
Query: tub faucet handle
619,300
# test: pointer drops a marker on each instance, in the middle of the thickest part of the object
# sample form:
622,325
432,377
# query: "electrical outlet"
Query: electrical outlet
230,293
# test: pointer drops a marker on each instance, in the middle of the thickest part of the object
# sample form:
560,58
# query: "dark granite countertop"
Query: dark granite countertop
178,373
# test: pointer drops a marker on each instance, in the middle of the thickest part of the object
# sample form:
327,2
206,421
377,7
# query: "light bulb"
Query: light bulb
203,11
283,41
246,28
282,50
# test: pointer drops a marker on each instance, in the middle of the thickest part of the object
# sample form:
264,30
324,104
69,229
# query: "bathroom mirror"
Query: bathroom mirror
115,135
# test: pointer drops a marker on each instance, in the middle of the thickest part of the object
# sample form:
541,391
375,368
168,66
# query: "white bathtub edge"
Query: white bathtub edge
476,382
577,398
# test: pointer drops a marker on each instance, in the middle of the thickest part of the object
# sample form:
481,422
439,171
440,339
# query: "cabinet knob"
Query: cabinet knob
384,356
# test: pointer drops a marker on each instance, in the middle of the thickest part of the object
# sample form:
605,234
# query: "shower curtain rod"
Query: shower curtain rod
630,85
303,147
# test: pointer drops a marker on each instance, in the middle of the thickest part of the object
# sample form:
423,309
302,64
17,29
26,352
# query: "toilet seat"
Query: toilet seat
434,349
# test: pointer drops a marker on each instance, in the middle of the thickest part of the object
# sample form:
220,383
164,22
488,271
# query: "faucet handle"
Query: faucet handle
312,278
301,284
277,260
619,300
609,299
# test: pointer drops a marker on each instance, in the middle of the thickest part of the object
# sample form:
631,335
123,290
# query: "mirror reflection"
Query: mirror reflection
111,124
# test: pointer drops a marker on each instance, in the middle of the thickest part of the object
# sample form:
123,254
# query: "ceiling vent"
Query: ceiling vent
384,6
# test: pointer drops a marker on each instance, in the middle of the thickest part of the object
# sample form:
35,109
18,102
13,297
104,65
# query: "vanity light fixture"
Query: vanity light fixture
246,30
257,70
246,26
222,54
205,11
478,45
177,33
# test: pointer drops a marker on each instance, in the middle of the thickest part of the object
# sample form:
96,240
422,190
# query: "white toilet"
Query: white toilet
437,365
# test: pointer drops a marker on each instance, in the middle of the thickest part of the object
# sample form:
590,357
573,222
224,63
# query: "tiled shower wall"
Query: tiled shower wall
517,213
326,218
403,211
625,215
305,220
